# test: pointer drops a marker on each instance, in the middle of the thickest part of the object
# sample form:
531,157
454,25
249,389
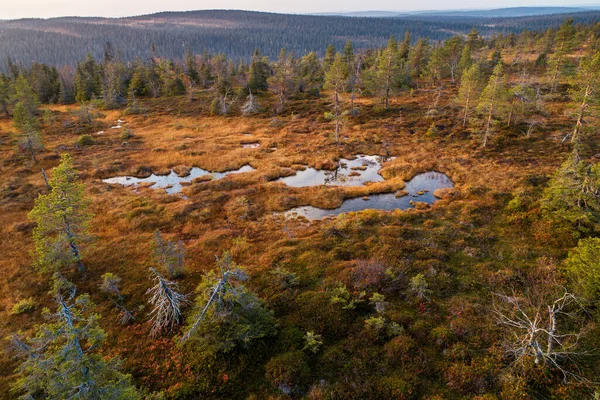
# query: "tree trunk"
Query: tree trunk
488,125
582,109
337,117
551,330
73,245
31,150
46,180
466,110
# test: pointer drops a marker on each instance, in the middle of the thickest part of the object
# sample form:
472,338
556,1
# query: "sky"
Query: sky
11,9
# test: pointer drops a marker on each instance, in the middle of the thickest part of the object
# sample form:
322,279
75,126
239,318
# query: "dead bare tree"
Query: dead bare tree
167,302
251,105
540,327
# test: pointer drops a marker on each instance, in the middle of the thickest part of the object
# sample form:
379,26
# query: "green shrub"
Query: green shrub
86,140
288,371
583,267
23,306
126,134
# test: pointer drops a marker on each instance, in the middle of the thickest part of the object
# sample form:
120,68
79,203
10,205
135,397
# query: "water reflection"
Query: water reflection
172,182
420,189
354,172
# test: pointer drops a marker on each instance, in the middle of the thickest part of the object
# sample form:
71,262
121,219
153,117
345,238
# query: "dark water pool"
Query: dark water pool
172,182
420,189
354,172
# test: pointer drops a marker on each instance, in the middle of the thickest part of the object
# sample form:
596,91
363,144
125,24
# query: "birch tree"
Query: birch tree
492,101
64,360
469,91
540,326
62,219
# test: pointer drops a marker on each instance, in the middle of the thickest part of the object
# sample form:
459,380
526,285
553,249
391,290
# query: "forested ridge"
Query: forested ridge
236,34
221,289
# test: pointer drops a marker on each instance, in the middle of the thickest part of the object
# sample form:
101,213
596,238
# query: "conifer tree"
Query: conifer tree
404,48
63,360
329,57
227,314
4,94
88,83
348,59
169,255
470,88
585,91
572,198
283,82
563,43
335,81
492,101
452,53
25,117
259,72
62,219
388,69
465,61
191,66
417,58
311,74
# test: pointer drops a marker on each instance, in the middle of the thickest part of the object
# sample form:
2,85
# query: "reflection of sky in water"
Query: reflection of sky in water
341,176
427,182
172,182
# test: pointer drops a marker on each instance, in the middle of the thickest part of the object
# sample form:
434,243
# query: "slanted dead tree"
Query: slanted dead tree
218,292
167,302
540,327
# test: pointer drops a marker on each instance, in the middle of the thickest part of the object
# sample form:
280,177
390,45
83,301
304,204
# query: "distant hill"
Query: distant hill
60,41
508,12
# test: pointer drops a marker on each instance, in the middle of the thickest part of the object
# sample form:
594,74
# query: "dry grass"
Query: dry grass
217,214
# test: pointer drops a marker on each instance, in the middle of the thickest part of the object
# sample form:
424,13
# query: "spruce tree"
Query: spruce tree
335,81
259,72
563,44
25,117
329,57
88,80
227,315
585,91
572,198
62,219
311,74
283,82
388,69
64,360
